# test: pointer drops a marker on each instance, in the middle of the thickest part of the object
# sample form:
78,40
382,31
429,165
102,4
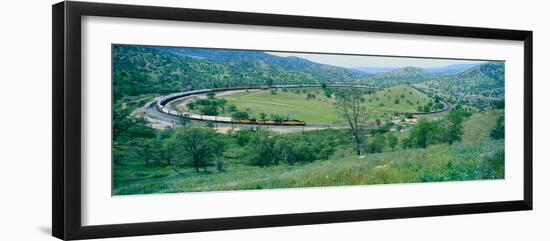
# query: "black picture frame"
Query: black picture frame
66,128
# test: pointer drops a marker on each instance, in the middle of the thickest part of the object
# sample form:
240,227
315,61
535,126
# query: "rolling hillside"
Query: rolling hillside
402,98
407,75
486,80
142,70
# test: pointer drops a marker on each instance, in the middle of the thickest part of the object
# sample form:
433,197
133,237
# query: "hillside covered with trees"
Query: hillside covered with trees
141,70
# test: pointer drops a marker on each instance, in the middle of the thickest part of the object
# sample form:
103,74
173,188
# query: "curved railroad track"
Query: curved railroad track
158,109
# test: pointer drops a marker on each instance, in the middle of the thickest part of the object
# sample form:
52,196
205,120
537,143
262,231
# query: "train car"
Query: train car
195,116
269,122
162,101
245,121
208,117
224,119
294,122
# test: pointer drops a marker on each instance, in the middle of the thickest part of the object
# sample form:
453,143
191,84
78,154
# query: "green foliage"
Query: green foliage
377,144
243,136
446,130
131,134
277,118
490,167
127,127
499,104
392,141
464,161
486,80
498,131
293,149
240,115
395,99
262,116
405,75
210,106
140,69
458,115
208,109
211,95
231,108
353,111
190,105
199,145
210,124
261,149
149,160
328,91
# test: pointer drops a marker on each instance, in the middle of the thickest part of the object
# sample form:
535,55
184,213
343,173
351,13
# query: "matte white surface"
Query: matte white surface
26,135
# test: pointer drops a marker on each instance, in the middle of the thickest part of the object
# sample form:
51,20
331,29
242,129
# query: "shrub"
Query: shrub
240,115
498,131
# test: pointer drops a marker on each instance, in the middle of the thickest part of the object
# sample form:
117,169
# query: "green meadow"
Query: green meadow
477,157
317,110
315,107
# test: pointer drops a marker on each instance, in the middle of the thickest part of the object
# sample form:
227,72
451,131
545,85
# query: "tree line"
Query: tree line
445,130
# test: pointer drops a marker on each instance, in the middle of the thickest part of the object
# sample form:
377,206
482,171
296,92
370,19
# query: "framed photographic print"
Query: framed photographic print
169,120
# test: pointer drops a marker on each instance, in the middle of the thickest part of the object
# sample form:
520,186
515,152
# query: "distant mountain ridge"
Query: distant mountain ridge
142,69
454,68
374,70
289,63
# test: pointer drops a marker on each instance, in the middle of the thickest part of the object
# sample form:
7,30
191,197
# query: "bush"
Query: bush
392,141
377,145
498,131
262,149
211,95
243,136
292,149
240,115
232,108
209,110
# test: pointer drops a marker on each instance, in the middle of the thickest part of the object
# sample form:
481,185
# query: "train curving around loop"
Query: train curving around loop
161,105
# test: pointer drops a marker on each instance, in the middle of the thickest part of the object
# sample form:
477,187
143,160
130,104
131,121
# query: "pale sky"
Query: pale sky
352,61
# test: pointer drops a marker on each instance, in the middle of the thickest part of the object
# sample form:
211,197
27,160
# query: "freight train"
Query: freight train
164,100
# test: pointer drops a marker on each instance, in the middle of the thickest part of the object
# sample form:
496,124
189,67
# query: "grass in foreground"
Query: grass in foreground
477,157
472,161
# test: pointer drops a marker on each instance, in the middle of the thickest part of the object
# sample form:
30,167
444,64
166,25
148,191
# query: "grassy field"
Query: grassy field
402,98
478,127
320,109
476,157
